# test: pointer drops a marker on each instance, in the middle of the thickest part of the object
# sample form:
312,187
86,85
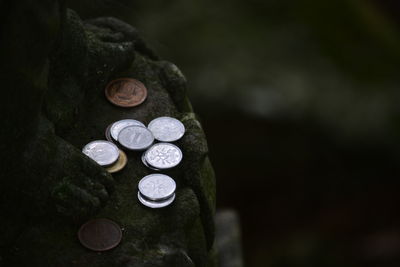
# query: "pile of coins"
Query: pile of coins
133,135
106,154
130,134
155,190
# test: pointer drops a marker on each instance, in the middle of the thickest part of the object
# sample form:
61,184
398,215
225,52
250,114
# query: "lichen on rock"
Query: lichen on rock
56,188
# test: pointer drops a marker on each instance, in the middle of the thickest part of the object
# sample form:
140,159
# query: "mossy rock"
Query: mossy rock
55,188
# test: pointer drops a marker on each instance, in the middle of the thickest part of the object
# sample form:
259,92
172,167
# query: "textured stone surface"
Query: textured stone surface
51,188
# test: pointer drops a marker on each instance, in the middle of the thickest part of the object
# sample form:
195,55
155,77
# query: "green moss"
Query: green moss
73,188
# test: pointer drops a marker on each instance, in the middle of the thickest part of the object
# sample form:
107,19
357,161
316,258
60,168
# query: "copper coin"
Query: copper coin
100,234
120,164
126,92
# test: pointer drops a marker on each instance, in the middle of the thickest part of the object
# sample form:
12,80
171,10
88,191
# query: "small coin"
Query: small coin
135,138
146,164
166,129
163,156
155,204
120,164
103,152
117,126
157,187
108,133
100,234
126,92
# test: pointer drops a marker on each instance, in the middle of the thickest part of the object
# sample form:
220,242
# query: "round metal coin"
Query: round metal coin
120,164
135,138
155,204
163,156
157,187
167,129
126,92
117,126
146,164
103,152
100,234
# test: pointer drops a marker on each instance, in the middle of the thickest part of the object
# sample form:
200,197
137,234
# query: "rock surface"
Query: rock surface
54,72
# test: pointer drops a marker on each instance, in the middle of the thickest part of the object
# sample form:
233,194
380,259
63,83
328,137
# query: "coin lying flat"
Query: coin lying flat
135,138
100,234
104,153
163,156
146,164
126,92
108,133
166,129
117,126
157,187
155,204
120,164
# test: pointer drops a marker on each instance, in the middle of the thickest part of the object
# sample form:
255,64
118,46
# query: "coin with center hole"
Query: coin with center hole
166,129
100,234
126,92
163,156
120,164
117,126
103,152
135,138
155,204
157,187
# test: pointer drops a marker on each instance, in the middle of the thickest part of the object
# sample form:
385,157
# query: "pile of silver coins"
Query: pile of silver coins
155,190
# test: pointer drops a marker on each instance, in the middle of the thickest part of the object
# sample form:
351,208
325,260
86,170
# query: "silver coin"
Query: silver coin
155,204
163,156
117,126
108,133
157,187
166,129
103,152
146,164
135,138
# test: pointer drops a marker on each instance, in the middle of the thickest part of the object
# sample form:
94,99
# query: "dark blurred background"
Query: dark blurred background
299,100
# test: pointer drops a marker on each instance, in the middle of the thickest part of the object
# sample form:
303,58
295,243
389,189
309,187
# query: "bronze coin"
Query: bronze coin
100,234
126,92
120,164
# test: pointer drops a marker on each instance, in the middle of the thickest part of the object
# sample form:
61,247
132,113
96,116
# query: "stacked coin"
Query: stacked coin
130,134
156,190
103,152
106,154
135,138
162,156
119,164
117,126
